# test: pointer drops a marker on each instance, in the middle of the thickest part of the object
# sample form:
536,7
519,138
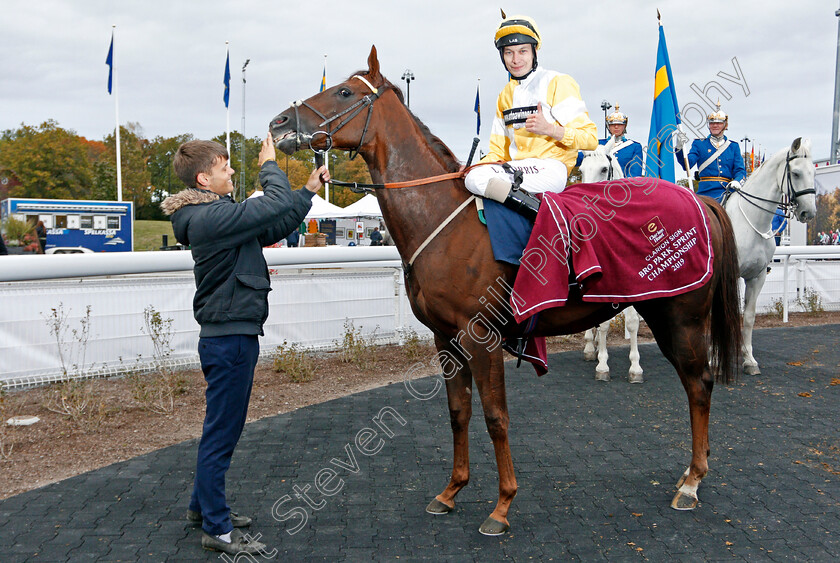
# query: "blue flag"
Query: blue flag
664,120
227,79
477,113
323,79
110,62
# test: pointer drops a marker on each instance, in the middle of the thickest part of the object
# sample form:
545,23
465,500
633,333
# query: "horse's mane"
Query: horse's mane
448,158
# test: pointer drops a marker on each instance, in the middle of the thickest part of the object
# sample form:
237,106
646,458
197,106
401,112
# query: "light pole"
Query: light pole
242,139
605,105
408,76
746,140
836,116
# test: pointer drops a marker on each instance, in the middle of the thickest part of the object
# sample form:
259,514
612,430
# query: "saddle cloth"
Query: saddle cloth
626,240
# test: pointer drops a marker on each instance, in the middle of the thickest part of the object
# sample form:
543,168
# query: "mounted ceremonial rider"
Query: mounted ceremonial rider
720,166
627,151
541,122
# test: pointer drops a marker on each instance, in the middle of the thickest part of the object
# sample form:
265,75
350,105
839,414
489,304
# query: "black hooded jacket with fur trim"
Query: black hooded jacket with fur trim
227,238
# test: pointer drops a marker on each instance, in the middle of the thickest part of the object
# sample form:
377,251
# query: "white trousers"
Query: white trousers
538,175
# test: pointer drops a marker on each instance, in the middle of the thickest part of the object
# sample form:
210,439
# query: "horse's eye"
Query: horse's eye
604,170
345,93
795,174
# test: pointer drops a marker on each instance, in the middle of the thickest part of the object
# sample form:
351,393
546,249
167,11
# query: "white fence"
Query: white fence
308,306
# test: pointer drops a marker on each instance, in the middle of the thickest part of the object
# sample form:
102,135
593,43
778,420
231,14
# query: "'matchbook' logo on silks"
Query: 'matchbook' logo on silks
654,231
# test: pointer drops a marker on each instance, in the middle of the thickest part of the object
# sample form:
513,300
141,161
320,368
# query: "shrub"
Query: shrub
295,362
355,348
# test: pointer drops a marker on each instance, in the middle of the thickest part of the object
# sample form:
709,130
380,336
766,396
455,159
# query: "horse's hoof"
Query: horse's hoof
590,356
683,501
436,507
493,527
602,376
636,378
751,370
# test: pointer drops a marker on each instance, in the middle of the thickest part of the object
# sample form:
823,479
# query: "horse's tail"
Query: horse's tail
726,339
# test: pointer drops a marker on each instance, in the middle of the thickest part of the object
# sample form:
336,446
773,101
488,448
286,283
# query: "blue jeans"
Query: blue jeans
228,364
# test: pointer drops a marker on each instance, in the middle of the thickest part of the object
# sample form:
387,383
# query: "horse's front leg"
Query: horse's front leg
488,369
631,325
752,287
459,396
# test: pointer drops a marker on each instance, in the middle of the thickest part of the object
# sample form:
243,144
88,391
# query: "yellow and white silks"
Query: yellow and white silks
545,162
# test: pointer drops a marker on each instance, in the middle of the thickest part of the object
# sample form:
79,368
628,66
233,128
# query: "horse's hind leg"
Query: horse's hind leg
752,288
681,337
631,325
602,370
459,396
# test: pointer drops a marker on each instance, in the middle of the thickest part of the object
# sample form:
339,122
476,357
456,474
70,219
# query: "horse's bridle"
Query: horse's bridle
789,193
789,196
610,162
353,110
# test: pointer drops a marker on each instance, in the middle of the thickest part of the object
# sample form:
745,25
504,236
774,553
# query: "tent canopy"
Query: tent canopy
322,209
368,206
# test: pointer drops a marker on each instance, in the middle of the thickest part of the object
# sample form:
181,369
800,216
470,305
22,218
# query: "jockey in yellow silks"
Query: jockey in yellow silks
541,122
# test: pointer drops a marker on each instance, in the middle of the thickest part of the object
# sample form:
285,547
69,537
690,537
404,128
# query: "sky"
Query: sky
780,58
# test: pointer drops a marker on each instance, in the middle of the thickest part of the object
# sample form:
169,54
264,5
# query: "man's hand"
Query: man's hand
537,123
734,185
267,151
680,140
317,179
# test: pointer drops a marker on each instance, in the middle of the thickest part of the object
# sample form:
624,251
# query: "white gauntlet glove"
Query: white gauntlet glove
734,186
680,140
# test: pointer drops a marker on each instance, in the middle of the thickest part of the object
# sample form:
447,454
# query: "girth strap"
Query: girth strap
439,229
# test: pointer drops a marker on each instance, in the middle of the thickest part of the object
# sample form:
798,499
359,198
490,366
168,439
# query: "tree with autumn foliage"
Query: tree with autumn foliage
48,161
828,215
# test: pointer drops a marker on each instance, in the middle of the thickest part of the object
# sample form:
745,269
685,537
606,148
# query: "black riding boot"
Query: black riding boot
513,198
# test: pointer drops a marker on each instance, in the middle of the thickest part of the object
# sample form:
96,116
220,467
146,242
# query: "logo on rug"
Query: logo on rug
654,231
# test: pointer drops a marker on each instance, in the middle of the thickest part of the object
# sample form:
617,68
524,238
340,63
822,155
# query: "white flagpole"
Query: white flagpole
227,108
327,153
117,119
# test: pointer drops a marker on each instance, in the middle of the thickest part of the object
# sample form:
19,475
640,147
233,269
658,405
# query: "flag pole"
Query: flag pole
679,124
227,95
327,152
117,120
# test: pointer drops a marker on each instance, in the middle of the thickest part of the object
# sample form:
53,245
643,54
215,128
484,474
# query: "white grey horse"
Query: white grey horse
786,179
600,166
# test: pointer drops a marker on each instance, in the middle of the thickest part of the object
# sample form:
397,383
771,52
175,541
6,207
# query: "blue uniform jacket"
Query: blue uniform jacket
725,168
630,158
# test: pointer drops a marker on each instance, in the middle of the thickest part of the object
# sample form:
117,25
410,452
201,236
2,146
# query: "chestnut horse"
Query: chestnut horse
454,283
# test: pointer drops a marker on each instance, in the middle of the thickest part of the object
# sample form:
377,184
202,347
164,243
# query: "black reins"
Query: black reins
789,193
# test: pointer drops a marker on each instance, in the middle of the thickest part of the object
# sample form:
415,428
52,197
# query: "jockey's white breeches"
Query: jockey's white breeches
538,175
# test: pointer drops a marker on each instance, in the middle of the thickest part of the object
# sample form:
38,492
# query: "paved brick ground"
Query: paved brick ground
596,465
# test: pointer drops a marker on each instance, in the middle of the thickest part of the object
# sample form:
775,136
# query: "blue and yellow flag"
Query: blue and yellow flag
477,113
110,62
227,80
664,120
323,79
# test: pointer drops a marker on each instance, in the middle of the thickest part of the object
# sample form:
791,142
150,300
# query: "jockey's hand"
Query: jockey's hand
267,151
734,185
537,124
317,179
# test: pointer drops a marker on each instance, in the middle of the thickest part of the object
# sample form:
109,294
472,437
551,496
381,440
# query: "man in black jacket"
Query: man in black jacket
231,305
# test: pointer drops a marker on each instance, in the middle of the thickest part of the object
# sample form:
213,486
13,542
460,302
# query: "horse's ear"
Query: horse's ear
796,143
373,64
